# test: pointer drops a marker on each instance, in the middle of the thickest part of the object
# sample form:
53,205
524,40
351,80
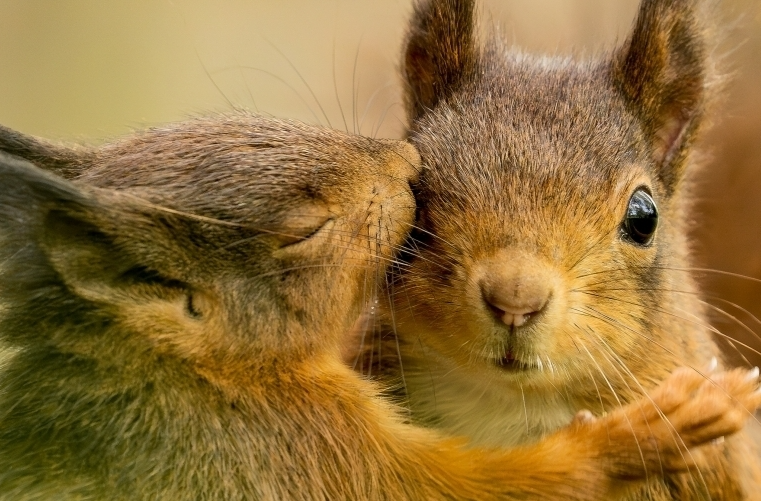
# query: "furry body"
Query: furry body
528,166
171,323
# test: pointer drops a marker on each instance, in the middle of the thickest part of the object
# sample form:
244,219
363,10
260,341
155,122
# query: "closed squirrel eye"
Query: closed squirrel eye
641,218
299,233
301,224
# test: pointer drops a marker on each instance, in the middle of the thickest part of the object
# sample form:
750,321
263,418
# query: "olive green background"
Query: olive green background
92,69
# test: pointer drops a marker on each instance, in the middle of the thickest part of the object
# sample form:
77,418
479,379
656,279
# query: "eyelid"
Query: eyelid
295,236
634,179
301,222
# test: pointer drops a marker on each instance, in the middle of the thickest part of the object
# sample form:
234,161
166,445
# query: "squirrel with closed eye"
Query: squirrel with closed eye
549,271
171,318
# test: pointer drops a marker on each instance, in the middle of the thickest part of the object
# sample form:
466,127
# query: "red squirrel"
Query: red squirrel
548,270
171,318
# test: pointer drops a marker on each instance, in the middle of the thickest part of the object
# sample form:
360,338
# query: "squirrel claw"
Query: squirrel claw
661,431
583,417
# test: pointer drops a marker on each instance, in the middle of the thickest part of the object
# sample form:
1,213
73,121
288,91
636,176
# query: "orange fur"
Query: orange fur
175,335
524,294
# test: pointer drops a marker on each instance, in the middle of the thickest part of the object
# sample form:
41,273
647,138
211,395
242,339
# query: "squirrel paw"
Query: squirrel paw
659,432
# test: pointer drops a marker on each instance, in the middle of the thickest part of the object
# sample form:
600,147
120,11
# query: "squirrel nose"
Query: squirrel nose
409,161
515,300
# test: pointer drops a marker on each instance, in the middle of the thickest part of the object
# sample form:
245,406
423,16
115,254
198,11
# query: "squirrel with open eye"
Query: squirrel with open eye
549,271
172,318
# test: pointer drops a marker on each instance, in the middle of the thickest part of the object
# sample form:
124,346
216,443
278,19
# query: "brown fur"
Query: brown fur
172,320
528,166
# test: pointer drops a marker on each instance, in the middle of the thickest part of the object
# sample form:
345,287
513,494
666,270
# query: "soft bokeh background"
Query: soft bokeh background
88,70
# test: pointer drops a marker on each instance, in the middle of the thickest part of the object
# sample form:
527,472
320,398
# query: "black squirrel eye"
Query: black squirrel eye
641,218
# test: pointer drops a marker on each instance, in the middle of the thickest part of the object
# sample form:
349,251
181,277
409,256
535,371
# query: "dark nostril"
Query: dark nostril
497,312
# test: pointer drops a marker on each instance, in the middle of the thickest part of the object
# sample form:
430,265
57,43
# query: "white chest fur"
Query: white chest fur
487,410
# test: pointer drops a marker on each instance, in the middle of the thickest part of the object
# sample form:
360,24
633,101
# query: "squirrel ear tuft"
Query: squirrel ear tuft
63,160
662,71
440,52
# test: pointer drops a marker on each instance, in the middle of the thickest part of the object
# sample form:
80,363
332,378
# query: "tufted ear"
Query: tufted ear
663,73
93,243
65,161
440,52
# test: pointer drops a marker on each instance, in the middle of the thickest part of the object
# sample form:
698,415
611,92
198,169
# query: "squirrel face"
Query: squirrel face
173,314
525,203
172,228
551,200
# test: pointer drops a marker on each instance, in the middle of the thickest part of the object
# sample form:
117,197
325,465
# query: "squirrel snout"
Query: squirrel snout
406,160
515,300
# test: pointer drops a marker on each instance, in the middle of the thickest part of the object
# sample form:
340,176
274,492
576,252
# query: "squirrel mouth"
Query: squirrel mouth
510,363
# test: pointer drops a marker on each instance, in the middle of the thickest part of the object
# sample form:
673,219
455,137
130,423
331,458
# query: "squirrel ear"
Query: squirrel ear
91,262
440,52
662,73
53,231
64,161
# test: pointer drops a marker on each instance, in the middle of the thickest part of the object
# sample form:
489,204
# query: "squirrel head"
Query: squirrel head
551,195
229,240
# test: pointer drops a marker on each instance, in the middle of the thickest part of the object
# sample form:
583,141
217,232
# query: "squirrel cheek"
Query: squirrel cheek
164,322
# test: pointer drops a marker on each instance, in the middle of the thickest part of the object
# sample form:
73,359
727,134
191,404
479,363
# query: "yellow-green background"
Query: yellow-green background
90,69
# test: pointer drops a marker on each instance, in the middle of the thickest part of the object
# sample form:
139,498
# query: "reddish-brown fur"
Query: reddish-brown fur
172,322
529,164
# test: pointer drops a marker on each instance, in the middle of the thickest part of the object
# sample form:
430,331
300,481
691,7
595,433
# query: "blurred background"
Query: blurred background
88,70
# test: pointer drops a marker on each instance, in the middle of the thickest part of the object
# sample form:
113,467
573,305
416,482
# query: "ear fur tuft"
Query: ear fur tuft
27,187
663,71
65,161
440,52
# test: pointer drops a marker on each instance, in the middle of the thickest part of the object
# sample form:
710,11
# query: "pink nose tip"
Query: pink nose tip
515,318
515,301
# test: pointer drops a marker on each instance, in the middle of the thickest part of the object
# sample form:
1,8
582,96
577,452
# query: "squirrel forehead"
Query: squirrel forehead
528,130
238,166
